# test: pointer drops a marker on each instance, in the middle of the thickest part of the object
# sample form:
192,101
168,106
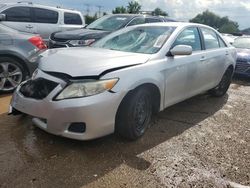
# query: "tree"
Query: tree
133,7
89,19
222,24
119,10
159,12
229,28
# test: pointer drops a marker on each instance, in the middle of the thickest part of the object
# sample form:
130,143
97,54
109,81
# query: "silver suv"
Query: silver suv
39,19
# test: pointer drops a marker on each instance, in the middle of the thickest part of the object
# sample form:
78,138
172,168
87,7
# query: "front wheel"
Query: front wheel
134,114
224,84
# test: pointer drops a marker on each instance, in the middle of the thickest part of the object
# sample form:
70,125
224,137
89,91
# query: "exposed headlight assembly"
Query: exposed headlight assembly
81,42
86,88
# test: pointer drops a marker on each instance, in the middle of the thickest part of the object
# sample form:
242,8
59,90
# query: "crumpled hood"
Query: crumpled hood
79,34
87,61
243,54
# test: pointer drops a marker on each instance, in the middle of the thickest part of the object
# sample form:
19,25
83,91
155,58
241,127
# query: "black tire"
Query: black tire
224,84
134,114
9,82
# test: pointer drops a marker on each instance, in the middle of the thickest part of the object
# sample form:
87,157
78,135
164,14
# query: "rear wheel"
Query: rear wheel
224,84
11,74
134,114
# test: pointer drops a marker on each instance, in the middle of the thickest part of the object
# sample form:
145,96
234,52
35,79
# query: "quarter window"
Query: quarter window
72,19
45,16
18,14
221,42
210,38
190,37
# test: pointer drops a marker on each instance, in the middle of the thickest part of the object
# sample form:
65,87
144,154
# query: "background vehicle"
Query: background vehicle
100,28
242,44
229,37
120,81
39,19
18,52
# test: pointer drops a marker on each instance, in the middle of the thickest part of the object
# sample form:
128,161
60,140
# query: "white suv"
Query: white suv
39,19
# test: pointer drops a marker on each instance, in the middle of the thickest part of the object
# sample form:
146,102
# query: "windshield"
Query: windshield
142,39
109,23
243,42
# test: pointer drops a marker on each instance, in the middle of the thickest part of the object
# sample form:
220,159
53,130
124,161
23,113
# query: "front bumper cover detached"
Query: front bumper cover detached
92,117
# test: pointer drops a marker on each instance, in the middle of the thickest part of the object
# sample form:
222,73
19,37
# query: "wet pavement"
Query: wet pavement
201,142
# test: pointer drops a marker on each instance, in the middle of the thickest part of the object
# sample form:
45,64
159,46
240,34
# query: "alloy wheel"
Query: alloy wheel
10,76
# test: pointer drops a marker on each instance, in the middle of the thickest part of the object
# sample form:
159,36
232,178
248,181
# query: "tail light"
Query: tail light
38,42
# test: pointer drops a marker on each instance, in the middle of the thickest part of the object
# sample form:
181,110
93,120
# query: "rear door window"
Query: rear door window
221,42
45,16
18,14
210,39
72,19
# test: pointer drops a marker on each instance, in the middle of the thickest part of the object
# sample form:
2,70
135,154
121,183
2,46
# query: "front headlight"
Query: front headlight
86,88
81,42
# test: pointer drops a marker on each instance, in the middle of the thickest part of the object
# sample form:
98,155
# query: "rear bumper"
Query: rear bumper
97,112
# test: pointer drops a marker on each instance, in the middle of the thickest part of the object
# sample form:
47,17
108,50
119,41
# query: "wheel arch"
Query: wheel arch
154,90
18,58
230,67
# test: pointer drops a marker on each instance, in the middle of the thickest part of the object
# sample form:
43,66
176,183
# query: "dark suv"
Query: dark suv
100,28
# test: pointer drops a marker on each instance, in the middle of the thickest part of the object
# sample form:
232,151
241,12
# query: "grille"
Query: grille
242,67
38,89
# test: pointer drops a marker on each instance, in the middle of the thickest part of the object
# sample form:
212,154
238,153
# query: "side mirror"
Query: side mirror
181,50
2,17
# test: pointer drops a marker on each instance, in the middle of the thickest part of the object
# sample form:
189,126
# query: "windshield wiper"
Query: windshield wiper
95,29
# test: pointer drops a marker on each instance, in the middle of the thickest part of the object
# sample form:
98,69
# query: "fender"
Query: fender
13,53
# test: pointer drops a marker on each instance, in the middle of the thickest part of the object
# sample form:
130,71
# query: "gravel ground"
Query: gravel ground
201,142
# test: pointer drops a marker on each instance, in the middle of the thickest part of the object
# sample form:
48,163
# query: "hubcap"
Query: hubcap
141,113
10,76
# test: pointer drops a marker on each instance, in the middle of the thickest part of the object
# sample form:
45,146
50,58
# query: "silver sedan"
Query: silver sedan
119,82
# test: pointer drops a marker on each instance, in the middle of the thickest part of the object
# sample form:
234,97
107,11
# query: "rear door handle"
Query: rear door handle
227,53
203,58
29,26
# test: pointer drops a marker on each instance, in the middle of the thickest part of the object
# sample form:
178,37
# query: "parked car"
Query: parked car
100,28
119,82
229,37
18,52
242,44
39,19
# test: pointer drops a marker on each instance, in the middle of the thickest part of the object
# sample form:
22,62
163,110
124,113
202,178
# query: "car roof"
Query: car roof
37,5
244,36
176,24
137,15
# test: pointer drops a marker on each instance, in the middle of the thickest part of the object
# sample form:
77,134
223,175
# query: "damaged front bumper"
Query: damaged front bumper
97,113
